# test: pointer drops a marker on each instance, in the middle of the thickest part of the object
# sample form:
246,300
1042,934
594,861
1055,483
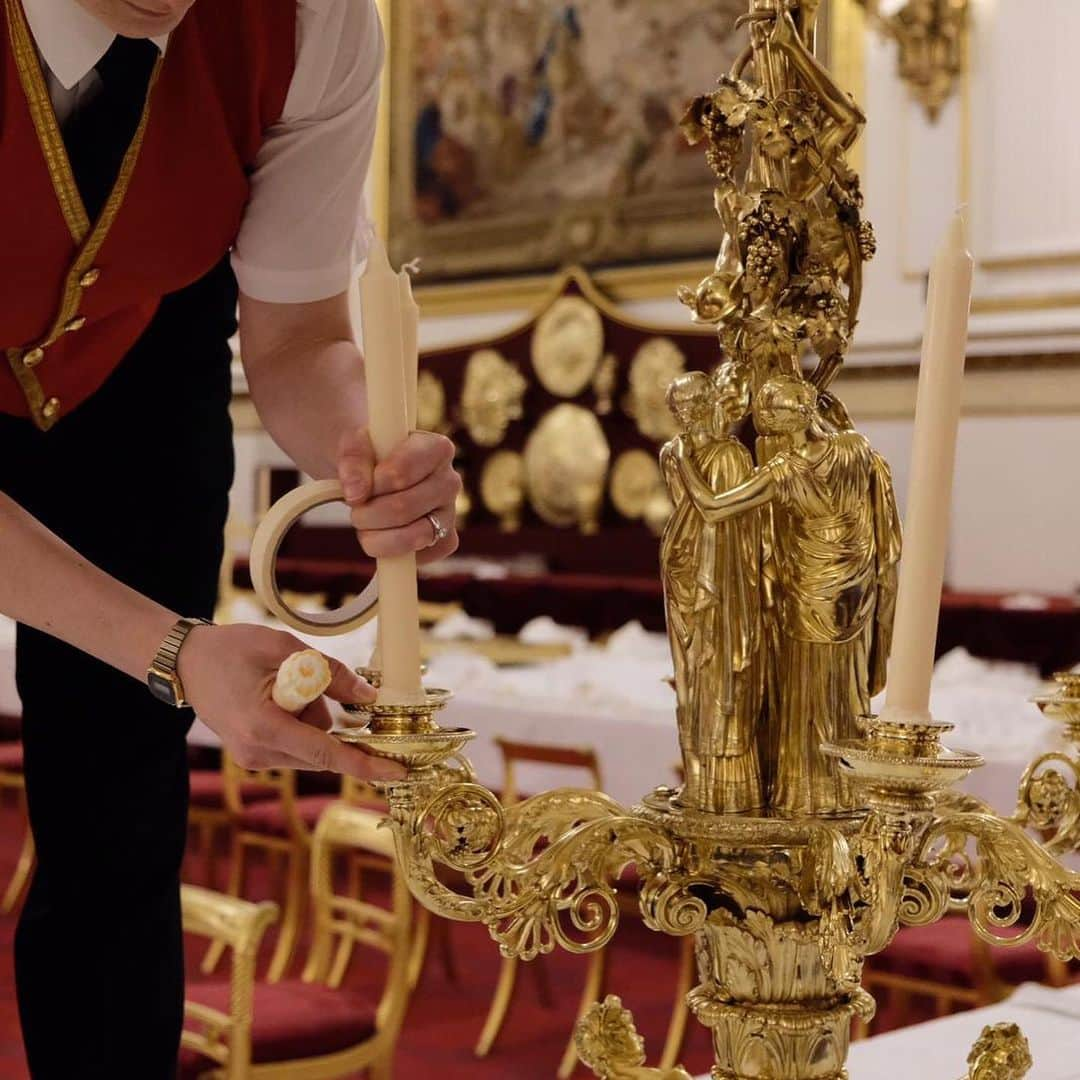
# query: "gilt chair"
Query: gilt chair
12,780
269,817
209,819
515,754
310,1028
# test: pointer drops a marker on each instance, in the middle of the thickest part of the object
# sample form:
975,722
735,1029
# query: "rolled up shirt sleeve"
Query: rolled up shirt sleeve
305,228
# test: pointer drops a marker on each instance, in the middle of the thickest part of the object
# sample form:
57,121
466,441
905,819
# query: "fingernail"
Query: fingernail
364,691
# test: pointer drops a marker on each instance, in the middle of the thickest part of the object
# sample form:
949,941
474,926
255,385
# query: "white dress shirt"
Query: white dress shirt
304,229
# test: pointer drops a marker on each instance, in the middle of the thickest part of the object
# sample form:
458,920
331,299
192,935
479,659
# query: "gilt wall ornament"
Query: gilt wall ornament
502,488
655,364
492,396
431,403
635,481
603,384
567,346
566,464
929,35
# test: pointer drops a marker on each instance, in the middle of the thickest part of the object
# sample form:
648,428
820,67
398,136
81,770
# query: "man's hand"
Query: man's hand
228,674
390,501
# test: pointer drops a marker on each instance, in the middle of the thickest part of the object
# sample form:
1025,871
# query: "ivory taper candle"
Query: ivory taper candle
410,333
933,457
410,338
385,366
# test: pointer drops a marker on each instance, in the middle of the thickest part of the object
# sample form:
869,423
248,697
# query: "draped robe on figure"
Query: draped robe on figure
834,544
713,595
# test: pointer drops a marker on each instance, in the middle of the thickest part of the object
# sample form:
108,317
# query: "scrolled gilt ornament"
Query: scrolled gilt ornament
1000,1053
1049,801
609,1044
541,873
989,866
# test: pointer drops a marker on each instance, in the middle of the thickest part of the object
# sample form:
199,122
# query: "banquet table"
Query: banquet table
938,1049
614,700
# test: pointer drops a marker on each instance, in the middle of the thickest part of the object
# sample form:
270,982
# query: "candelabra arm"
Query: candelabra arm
988,866
540,873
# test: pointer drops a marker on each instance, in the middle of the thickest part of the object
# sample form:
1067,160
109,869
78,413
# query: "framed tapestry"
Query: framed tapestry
525,135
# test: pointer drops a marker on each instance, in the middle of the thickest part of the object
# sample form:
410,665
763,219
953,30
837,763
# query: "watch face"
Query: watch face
162,687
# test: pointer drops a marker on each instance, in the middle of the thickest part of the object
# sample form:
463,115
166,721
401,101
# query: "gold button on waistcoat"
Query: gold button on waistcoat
50,409
75,324
90,277
33,357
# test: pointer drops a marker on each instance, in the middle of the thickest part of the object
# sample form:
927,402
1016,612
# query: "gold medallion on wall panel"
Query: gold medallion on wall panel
635,479
491,397
566,463
430,403
567,346
502,488
603,384
656,363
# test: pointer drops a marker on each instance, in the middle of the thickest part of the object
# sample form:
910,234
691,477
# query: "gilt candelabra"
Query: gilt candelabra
806,830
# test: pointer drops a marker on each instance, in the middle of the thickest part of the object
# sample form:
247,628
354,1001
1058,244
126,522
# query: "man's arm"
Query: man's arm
306,377
227,671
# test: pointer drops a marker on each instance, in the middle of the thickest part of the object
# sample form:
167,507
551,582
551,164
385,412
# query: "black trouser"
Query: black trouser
137,480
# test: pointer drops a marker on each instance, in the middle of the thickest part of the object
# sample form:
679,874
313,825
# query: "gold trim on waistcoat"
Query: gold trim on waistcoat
89,240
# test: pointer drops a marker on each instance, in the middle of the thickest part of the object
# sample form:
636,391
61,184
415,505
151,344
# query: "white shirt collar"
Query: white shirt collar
71,40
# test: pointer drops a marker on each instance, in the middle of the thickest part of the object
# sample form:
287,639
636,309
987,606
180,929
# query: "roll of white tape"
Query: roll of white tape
264,553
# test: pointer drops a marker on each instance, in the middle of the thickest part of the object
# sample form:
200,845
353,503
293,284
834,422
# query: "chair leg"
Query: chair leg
233,887
591,992
500,1004
418,947
341,963
208,837
383,1069
20,875
538,970
441,929
292,916
680,1011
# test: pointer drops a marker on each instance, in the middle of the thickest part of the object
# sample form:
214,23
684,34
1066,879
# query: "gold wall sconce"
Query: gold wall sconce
930,35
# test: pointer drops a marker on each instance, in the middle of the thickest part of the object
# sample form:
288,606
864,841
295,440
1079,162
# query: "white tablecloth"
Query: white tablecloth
938,1050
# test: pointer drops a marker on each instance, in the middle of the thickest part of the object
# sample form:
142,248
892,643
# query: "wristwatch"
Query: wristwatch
161,677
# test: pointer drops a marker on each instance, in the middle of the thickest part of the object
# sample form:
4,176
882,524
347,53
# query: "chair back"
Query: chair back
235,779
516,753
343,921
240,925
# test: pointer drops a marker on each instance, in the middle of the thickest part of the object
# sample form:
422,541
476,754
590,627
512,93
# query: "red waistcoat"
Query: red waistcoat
75,296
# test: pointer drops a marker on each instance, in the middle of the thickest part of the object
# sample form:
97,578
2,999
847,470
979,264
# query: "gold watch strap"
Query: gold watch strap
165,660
